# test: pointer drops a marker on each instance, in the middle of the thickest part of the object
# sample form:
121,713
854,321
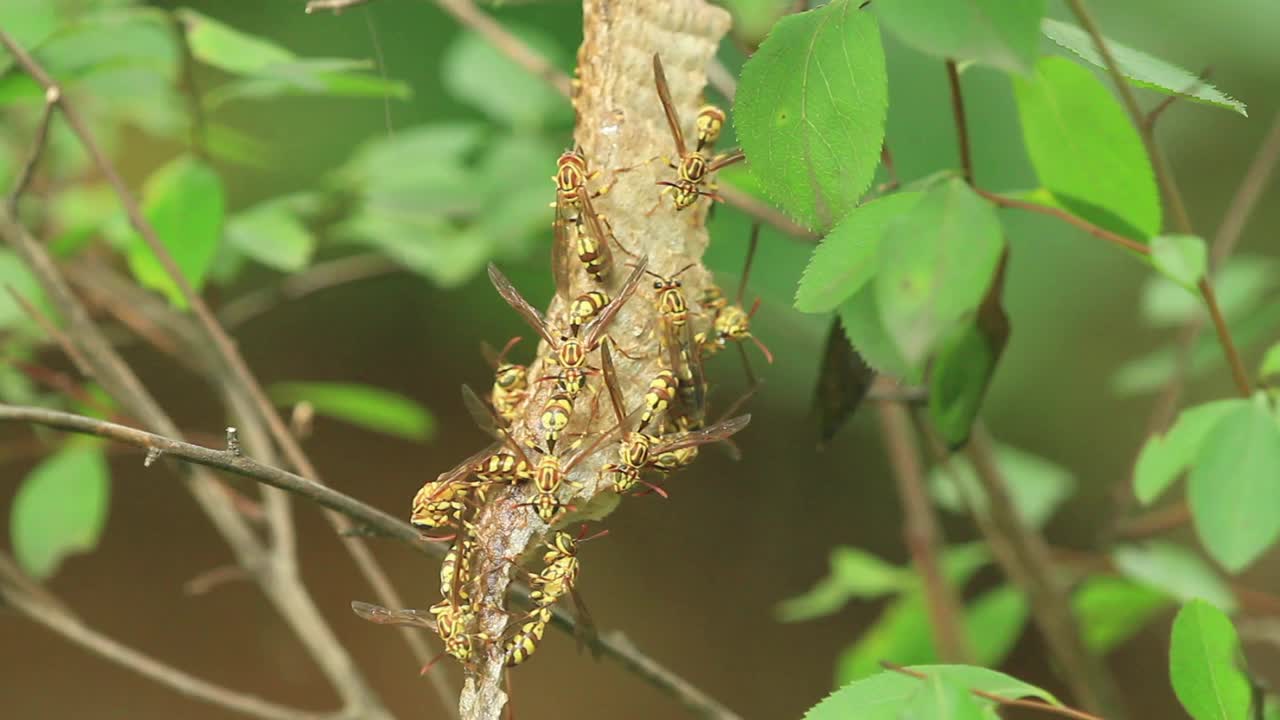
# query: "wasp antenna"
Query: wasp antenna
768,356
746,268
507,348
681,271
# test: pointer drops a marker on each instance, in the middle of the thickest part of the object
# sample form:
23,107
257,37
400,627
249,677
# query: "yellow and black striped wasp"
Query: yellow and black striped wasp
679,344
730,322
510,382
638,450
694,166
575,210
570,351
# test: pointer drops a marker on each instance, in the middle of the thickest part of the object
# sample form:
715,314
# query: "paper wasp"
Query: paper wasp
637,450
694,166
731,322
453,625
574,209
570,350
510,382
679,343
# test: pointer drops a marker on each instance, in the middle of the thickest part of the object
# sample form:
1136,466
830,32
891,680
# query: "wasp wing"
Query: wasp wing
383,616
668,107
611,382
594,330
519,304
715,433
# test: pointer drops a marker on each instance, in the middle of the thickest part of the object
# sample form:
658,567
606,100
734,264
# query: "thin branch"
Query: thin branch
1085,225
1149,120
63,623
119,380
1238,373
236,370
1010,702
1224,242
467,14
195,108
721,79
1155,522
1164,177
364,516
1049,601
51,95
316,278
764,212
920,529
962,126
337,6
51,330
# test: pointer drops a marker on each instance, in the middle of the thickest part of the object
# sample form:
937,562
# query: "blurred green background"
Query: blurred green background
694,581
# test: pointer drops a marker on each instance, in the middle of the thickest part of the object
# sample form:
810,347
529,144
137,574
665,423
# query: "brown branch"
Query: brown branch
1085,225
920,529
1009,702
118,379
62,622
363,515
962,126
1238,373
51,330
753,207
28,170
1049,600
1224,242
467,14
234,368
316,278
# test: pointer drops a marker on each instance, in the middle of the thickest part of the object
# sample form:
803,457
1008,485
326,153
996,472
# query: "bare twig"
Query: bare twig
364,516
116,377
920,528
337,6
1224,242
60,621
195,108
1011,702
28,170
47,326
962,126
1149,120
235,370
1085,225
764,212
316,278
722,80
1049,601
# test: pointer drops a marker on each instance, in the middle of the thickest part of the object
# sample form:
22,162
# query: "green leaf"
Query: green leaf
1234,486
1084,148
994,621
884,696
1181,258
752,19
1204,664
273,235
60,508
1004,35
1037,486
1175,570
477,73
1166,456
367,407
854,574
15,276
183,201
1142,69
847,257
222,46
942,699
963,367
936,264
1112,610
810,111
860,316
1268,370
29,22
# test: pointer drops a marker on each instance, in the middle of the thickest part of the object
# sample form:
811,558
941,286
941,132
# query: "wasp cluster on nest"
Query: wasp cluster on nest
662,434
